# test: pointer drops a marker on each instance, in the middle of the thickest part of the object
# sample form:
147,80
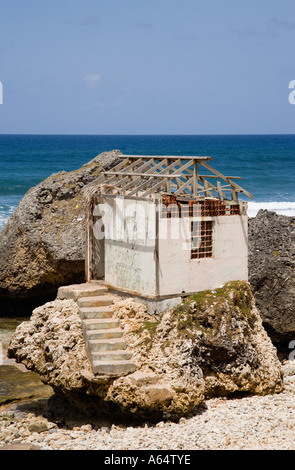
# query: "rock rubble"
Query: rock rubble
245,423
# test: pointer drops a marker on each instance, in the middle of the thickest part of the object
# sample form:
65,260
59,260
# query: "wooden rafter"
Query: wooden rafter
143,175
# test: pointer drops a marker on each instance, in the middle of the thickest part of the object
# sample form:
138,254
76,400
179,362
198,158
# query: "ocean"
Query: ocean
265,162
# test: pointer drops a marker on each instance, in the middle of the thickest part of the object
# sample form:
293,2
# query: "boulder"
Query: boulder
42,246
213,344
272,272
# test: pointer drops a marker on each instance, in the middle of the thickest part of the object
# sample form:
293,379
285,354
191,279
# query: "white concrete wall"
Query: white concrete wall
130,251
130,245
181,274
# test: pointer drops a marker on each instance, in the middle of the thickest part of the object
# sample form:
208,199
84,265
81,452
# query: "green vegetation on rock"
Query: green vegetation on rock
204,310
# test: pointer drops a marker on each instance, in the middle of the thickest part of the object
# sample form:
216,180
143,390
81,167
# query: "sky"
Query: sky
147,66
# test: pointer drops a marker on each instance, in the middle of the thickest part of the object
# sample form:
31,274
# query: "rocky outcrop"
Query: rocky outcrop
42,244
213,344
272,272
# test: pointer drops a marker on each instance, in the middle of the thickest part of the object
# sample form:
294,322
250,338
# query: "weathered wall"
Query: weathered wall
130,245
178,273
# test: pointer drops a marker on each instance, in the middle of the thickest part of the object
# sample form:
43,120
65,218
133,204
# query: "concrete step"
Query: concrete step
104,334
95,301
113,344
105,311
76,291
105,346
100,324
111,355
113,368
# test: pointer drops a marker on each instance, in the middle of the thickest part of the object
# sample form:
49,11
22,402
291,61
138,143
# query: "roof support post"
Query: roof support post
219,191
168,179
195,179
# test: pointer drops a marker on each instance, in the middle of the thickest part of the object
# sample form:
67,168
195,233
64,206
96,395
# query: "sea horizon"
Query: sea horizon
148,135
264,161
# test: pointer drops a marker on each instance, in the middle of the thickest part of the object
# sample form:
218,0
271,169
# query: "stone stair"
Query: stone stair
105,345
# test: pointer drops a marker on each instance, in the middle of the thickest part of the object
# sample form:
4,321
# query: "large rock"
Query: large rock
42,246
272,272
212,344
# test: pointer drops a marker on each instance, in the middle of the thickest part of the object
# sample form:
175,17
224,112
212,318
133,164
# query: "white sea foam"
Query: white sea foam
5,213
280,207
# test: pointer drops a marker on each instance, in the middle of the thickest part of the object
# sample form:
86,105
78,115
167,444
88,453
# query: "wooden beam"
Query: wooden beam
115,174
127,177
153,188
135,172
206,190
220,194
162,174
117,167
215,176
194,189
172,157
234,195
176,175
232,183
155,175
213,188
168,182
183,186
139,178
147,173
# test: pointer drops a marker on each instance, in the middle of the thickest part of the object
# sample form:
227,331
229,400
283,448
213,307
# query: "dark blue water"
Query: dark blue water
266,162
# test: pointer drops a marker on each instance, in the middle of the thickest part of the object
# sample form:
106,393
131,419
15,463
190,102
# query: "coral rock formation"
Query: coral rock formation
212,344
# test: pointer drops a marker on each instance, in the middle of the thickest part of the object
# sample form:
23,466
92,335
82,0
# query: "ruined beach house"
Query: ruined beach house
160,228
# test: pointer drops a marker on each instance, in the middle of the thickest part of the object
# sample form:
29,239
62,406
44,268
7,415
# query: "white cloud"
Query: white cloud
92,80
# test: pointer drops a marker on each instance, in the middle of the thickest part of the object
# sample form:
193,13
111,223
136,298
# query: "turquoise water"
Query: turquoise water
266,162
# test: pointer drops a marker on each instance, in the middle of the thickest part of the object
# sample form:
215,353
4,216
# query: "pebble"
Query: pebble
248,423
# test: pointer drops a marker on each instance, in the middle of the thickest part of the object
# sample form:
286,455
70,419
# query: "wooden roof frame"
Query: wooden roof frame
144,175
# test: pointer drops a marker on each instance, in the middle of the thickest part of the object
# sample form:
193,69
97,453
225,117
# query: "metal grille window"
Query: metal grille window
202,239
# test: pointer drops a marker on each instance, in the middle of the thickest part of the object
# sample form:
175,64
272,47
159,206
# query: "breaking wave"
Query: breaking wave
280,207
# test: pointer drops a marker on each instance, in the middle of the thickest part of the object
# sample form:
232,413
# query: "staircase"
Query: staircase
105,345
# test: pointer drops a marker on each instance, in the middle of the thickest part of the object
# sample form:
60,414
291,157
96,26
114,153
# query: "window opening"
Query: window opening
202,239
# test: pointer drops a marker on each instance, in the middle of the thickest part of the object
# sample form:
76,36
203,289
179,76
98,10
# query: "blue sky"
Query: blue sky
147,66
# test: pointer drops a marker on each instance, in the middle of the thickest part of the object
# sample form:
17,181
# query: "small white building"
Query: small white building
163,227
